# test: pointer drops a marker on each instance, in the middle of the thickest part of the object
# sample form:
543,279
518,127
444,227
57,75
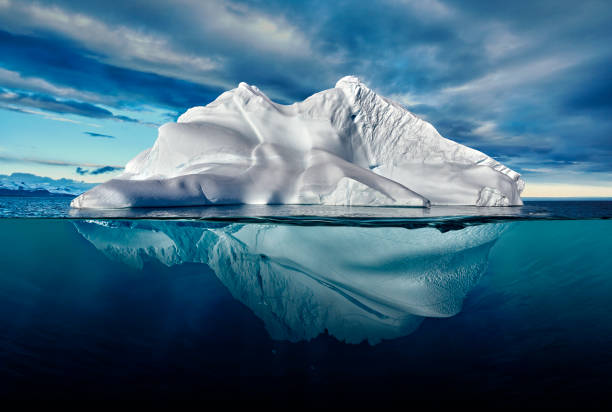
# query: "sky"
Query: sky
84,85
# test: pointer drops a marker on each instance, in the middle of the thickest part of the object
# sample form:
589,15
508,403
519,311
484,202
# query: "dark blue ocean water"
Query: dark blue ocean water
505,309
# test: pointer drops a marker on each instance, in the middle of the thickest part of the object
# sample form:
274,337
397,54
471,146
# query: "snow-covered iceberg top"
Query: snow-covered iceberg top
342,146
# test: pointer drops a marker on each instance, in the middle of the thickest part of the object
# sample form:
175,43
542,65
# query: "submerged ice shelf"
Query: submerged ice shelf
342,146
364,284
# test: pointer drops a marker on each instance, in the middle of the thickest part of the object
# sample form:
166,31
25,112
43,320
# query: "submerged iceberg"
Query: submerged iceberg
342,146
356,283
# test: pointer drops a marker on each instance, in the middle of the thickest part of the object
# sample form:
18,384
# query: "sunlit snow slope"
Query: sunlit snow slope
342,146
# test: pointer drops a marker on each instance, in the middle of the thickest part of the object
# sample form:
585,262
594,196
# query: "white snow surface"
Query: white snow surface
342,146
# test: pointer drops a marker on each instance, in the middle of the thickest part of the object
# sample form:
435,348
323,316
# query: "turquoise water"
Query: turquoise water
502,312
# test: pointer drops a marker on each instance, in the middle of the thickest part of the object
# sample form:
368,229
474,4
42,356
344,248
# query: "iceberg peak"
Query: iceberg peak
249,88
342,146
354,89
349,82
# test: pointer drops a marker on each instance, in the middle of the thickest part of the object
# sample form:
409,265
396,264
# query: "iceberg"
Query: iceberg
355,283
343,146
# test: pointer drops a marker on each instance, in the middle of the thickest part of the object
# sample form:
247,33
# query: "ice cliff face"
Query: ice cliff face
342,146
356,283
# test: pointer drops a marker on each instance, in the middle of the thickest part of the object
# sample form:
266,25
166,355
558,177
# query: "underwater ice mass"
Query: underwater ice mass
365,283
342,146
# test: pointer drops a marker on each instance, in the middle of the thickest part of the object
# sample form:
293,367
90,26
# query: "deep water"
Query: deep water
502,313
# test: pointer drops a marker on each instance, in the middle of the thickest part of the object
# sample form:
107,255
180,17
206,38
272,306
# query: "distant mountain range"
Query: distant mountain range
27,184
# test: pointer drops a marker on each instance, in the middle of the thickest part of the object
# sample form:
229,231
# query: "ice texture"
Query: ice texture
342,146
355,283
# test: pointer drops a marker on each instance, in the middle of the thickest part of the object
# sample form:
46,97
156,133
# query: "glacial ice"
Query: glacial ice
355,283
342,146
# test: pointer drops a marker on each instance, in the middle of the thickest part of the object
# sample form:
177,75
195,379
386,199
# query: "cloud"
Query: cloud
134,48
93,134
52,162
16,99
528,82
14,80
51,104
46,115
191,46
66,67
101,170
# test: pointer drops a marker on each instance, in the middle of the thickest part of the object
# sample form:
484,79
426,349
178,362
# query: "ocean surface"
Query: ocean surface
308,305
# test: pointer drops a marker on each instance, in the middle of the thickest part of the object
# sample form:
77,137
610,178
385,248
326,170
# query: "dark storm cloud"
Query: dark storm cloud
526,81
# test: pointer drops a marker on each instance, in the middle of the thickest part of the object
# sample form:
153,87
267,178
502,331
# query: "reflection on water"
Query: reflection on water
355,283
